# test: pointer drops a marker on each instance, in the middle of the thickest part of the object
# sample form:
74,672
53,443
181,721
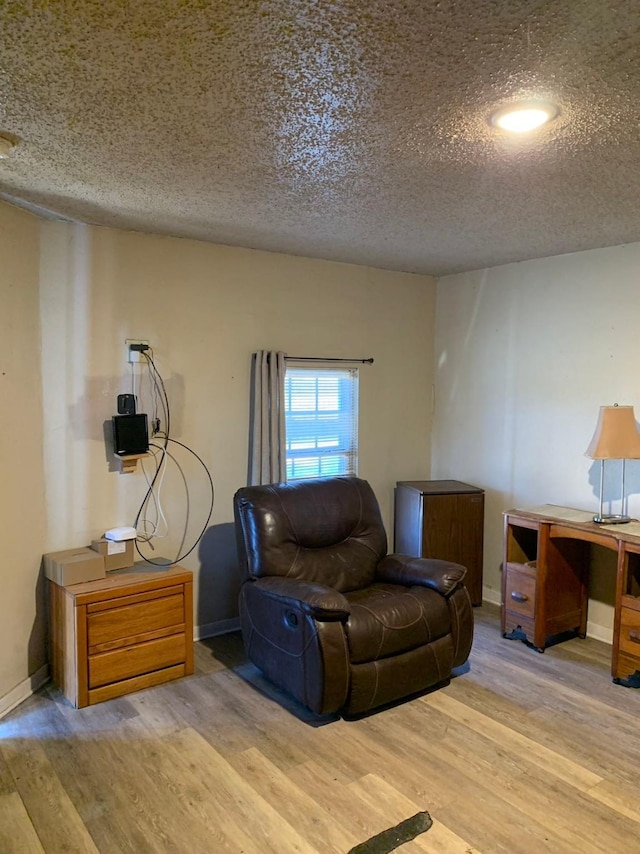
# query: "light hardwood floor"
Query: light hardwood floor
521,753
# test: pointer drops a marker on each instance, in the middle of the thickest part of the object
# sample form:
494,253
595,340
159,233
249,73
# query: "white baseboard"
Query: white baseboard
219,627
24,690
223,627
491,595
601,633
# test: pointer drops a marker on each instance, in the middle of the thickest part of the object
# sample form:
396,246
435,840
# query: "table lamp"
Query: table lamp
616,438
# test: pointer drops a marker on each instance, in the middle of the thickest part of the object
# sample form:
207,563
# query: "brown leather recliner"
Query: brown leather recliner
327,615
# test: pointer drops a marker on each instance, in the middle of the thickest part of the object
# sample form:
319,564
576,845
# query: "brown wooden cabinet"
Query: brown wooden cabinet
130,630
442,519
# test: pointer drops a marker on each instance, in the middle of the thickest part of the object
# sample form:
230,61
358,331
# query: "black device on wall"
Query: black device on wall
130,433
126,404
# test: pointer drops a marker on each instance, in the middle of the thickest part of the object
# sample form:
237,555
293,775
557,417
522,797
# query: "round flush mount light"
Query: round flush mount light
6,146
524,116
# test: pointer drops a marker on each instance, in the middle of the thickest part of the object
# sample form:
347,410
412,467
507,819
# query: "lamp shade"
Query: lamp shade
616,436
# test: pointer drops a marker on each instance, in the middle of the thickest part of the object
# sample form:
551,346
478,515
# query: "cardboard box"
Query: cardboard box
74,566
117,554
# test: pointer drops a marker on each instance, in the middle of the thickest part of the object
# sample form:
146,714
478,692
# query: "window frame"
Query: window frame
313,421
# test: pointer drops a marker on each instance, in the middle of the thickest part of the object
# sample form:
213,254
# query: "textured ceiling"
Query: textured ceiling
354,130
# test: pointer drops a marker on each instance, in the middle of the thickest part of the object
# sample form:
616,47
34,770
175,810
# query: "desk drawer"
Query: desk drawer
107,667
630,632
115,626
520,591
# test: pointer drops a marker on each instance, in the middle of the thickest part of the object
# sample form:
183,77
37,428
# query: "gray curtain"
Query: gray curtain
267,437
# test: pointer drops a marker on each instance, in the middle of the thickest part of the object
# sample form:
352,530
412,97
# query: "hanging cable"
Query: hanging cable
158,382
158,385
159,393
145,535
133,380
209,514
149,492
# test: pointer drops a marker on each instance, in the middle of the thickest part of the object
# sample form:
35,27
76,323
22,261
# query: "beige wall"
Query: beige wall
526,354
22,524
205,308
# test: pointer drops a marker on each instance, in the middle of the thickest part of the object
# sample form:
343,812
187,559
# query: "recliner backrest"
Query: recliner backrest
328,531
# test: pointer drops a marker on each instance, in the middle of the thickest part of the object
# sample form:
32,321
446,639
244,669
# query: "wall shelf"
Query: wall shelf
129,462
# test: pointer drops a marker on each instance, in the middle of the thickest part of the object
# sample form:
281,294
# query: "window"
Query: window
321,422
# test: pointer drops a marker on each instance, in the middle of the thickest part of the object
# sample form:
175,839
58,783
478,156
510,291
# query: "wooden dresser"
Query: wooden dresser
130,630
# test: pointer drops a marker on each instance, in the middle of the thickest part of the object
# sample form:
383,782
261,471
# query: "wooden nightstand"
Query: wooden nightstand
131,630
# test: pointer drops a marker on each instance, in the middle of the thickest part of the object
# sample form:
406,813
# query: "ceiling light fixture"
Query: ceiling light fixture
6,147
524,116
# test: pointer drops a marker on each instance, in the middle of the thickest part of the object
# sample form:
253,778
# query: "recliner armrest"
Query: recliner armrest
319,601
441,575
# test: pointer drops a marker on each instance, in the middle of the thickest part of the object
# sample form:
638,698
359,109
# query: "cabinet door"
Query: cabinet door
453,530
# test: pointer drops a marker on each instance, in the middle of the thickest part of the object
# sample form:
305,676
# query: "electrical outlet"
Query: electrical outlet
135,355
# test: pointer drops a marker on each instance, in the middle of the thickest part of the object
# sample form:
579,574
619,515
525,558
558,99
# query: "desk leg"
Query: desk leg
632,681
518,634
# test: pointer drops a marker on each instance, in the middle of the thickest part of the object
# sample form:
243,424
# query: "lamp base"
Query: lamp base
616,519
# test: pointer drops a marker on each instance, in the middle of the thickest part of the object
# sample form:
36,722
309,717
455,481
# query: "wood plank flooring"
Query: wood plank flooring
521,753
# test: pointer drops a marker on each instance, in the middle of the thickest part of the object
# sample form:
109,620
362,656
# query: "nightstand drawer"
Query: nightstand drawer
107,667
630,632
126,624
520,592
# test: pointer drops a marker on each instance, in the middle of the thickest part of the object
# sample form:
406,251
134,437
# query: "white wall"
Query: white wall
22,523
525,356
205,308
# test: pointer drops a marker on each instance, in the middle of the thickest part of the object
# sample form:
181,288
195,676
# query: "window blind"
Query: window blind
321,422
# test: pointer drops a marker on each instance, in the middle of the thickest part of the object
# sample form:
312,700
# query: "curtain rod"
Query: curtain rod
325,359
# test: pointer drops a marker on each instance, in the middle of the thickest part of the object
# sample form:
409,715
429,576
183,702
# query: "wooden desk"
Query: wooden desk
545,576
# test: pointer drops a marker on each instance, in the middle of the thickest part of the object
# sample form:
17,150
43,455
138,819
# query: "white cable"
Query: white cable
186,524
160,517
135,401
145,534
154,407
